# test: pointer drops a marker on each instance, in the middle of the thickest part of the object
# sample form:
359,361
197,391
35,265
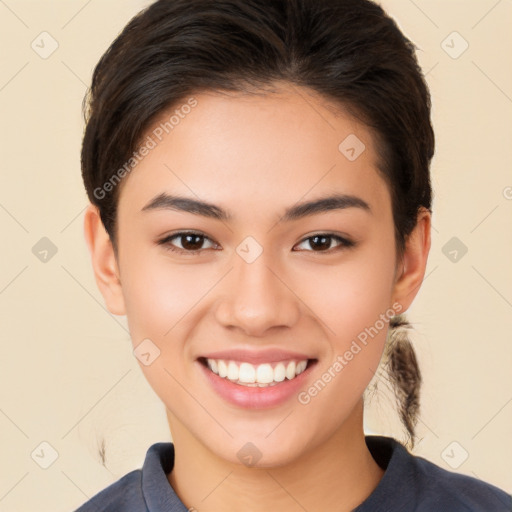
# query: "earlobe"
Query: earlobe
105,266
414,262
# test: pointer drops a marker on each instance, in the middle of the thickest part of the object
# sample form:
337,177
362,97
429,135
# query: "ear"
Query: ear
411,268
104,261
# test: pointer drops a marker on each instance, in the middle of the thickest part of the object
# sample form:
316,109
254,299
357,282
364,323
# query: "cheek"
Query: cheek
353,302
349,297
160,299
158,293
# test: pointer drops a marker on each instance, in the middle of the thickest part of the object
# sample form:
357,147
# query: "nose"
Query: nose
256,298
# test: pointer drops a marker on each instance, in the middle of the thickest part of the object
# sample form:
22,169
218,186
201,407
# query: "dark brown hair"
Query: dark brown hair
349,51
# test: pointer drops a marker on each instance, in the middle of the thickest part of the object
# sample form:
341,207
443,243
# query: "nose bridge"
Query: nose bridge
255,299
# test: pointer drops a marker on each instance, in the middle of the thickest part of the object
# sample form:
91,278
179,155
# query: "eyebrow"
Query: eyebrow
166,201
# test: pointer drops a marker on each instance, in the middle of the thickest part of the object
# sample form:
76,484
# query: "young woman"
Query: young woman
258,173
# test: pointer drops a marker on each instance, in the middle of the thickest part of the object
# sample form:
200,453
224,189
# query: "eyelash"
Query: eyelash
166,241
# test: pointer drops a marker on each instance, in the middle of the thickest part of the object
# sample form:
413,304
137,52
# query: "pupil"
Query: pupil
192,241
321,242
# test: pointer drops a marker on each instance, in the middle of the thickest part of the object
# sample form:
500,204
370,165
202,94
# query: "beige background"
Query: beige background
68,375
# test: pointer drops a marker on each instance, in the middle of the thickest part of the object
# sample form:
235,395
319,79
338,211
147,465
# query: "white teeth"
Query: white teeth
247,373
233,371
279,372
212,364
264,374
290,370
223,369
301,367
261,375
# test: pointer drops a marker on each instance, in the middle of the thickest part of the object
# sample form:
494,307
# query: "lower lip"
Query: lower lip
256,397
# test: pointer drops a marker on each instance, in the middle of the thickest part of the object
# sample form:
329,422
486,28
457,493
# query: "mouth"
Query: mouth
256,386
257,375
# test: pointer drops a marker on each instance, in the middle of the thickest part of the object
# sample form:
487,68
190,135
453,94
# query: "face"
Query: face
240,270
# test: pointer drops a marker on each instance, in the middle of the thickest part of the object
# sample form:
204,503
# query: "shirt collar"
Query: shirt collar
156,489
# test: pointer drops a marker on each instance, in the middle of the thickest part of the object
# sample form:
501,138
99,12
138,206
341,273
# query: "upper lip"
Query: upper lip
256,356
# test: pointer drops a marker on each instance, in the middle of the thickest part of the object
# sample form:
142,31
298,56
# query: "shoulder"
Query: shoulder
423,486
461,492
142,489
124,495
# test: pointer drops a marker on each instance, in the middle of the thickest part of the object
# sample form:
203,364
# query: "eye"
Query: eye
192,243
322,242
189,242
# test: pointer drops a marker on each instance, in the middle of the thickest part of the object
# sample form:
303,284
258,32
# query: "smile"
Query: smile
262,375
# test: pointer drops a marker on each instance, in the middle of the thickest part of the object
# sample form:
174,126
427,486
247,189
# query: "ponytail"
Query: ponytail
400,370
404,373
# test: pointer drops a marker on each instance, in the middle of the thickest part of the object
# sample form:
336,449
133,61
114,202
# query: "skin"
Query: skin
255,156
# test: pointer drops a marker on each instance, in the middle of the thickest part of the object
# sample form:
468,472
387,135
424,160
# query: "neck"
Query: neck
338,474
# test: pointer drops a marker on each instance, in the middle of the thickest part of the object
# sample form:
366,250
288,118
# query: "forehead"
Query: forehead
245,151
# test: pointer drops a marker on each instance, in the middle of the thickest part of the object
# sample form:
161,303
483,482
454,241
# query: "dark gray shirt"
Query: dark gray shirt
410,484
